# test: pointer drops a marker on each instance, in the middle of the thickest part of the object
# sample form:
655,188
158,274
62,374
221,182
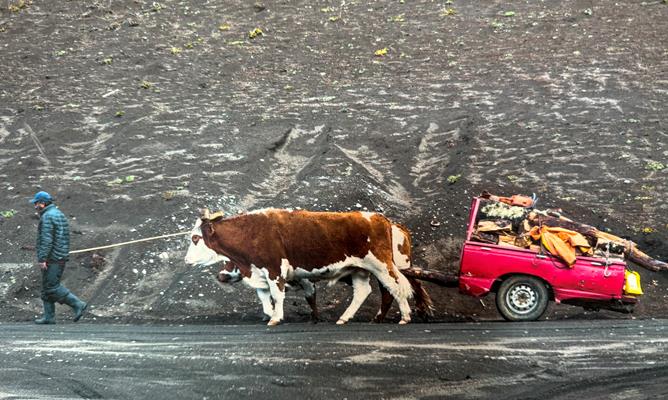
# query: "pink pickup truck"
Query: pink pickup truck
525,280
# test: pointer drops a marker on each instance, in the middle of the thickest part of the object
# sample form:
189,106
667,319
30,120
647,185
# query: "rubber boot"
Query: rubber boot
49,316
77,305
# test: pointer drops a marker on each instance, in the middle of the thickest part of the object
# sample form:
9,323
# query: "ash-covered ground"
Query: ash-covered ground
135,114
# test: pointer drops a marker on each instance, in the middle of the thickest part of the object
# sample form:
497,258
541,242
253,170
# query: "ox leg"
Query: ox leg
405,309
401,295
400,288
277,289
267,308
361,290
309,294
385,303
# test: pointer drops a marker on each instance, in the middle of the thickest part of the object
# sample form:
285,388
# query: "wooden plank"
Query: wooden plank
439,278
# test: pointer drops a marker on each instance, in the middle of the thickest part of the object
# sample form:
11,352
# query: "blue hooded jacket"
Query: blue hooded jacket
53,235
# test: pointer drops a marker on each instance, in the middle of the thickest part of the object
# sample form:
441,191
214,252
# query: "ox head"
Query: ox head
198,253
229,273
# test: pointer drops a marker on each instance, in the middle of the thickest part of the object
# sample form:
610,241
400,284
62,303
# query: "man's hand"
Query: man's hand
42,266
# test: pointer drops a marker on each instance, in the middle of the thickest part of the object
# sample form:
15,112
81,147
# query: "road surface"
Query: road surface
602,359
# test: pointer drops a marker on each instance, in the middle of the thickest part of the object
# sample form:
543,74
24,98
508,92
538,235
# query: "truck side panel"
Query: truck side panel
482,264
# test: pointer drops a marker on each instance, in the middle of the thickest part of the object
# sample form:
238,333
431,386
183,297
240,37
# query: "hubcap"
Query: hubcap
522,299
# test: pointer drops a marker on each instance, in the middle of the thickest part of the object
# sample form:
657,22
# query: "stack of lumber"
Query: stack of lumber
503,223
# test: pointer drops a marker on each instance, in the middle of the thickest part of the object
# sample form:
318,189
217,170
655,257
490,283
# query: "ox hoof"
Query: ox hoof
341,322
273,322
404,321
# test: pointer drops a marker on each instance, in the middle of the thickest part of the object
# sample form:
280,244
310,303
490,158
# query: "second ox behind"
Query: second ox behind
271,248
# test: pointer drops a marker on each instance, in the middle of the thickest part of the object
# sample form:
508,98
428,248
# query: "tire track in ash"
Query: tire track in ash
441,149
439,155
8,155
379,171
308,165
285,166
22,150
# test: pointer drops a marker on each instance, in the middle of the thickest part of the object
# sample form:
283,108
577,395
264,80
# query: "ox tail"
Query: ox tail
405,289
423,302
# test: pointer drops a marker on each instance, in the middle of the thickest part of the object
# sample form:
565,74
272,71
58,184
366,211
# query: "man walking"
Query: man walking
53,247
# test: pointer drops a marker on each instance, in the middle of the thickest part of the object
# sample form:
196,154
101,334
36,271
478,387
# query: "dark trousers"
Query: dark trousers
52,290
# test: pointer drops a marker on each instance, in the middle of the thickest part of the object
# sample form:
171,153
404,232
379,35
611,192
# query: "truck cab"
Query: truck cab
526,279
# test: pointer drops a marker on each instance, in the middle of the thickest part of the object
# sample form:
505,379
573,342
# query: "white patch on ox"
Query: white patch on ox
198,253
402,261
234,275
263,211
265,298
287,271
331,272
368,215
400,289
257,279
361,290
278,295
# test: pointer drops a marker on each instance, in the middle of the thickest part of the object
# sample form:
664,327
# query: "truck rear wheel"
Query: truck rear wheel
522,298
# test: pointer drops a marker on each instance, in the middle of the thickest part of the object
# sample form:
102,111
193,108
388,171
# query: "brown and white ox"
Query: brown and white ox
271,248
401,244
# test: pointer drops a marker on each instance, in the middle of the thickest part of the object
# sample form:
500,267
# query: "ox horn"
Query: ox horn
205,213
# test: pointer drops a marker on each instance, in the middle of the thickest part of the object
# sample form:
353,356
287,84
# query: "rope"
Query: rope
130,242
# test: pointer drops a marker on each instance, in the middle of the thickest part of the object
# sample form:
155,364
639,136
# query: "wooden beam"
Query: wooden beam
630,248
439,278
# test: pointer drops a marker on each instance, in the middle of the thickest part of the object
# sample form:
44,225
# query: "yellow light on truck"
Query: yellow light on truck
632,283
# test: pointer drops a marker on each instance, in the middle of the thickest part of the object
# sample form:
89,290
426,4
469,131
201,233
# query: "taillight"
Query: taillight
632,283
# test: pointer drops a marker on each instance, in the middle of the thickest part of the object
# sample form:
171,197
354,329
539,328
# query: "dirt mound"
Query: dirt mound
134,114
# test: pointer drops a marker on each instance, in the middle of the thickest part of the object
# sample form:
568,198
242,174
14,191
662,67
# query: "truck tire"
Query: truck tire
522,298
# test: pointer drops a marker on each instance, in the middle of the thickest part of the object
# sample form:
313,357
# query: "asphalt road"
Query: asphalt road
601,359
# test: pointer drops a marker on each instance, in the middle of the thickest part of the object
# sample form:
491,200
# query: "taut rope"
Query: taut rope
130,242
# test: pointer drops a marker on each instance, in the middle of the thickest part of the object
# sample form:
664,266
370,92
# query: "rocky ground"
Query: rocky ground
134,114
